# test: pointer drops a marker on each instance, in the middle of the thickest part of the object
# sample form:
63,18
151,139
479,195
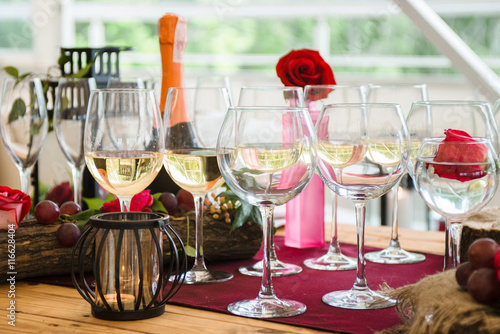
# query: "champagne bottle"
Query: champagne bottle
172,34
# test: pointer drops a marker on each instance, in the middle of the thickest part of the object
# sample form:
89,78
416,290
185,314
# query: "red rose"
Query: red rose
138,203
14,206
450,151
60,194
305,67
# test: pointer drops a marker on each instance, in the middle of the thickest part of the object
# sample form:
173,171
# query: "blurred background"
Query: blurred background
365,41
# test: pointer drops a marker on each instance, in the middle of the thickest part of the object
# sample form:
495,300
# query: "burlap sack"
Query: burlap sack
437,305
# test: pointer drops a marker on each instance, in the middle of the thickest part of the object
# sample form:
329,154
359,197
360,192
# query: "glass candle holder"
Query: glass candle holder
131,281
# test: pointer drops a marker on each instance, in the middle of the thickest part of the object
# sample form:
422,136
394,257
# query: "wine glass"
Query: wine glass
267,155
216,81
316,96
70,112
271,96
404,95
363,151
456,190
23,124
432,118
123,140
192,120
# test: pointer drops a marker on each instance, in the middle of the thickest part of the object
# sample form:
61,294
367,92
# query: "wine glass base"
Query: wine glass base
392,255
332,262
206,277
278,269
267,308
358,300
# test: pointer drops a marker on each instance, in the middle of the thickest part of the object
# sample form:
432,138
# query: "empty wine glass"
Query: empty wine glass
404,95
271,96
216,81
192,120
23,124
316,96
70,112
456,190
267,155
363,151
123,141
432,118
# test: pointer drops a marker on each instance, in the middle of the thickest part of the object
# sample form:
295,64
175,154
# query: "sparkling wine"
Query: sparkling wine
194,170
124,173
270,158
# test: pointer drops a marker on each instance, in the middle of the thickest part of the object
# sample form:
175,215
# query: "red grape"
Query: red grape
46,212
170,202
482,253
185,200
483,285
70,208
67,234
463,273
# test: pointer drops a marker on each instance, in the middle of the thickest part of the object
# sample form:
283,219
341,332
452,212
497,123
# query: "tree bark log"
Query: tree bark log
38,253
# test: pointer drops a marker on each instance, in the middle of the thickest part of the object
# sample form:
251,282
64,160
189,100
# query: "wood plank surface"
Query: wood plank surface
42,308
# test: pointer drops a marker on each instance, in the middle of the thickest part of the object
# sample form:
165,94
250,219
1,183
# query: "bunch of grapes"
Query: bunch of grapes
48,212
480,276
175,203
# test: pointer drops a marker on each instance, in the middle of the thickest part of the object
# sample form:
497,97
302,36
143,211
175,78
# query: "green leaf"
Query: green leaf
83,217
84,70
94,203
190,251
157,204
12,71
65,103
18,110
63,59
24,75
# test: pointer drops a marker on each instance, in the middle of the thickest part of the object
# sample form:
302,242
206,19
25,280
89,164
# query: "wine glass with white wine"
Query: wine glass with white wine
192,120
123,141
267,156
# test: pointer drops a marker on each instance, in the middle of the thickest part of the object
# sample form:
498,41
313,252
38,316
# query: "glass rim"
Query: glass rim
267,108
335,86
123,90
451,103
440,140
361,105
196,88
394,85
286,88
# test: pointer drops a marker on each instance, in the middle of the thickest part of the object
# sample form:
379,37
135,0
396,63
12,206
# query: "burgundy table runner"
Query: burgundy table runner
307,287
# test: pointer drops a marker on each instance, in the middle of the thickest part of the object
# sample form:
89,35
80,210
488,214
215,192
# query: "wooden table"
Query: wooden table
42,308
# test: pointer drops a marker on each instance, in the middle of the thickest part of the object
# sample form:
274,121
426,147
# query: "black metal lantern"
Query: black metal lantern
131,281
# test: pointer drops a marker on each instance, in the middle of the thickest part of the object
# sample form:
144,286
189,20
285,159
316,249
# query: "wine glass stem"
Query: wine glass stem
199,261
266,287
334,242
394,243
25,173
452,248
360,283
125,203
76,172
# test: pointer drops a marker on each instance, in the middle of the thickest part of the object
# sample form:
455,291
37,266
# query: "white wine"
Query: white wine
270,158
384,154
194,170
340,155
124,173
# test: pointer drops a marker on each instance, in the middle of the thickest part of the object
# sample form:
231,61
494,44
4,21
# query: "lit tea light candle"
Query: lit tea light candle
127,301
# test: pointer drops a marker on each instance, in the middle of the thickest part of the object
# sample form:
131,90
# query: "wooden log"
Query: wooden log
38,253
485,224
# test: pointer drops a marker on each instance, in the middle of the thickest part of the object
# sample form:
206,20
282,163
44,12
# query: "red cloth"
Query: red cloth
308,287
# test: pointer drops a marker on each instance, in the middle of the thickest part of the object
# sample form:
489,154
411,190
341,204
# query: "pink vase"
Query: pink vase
304,217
